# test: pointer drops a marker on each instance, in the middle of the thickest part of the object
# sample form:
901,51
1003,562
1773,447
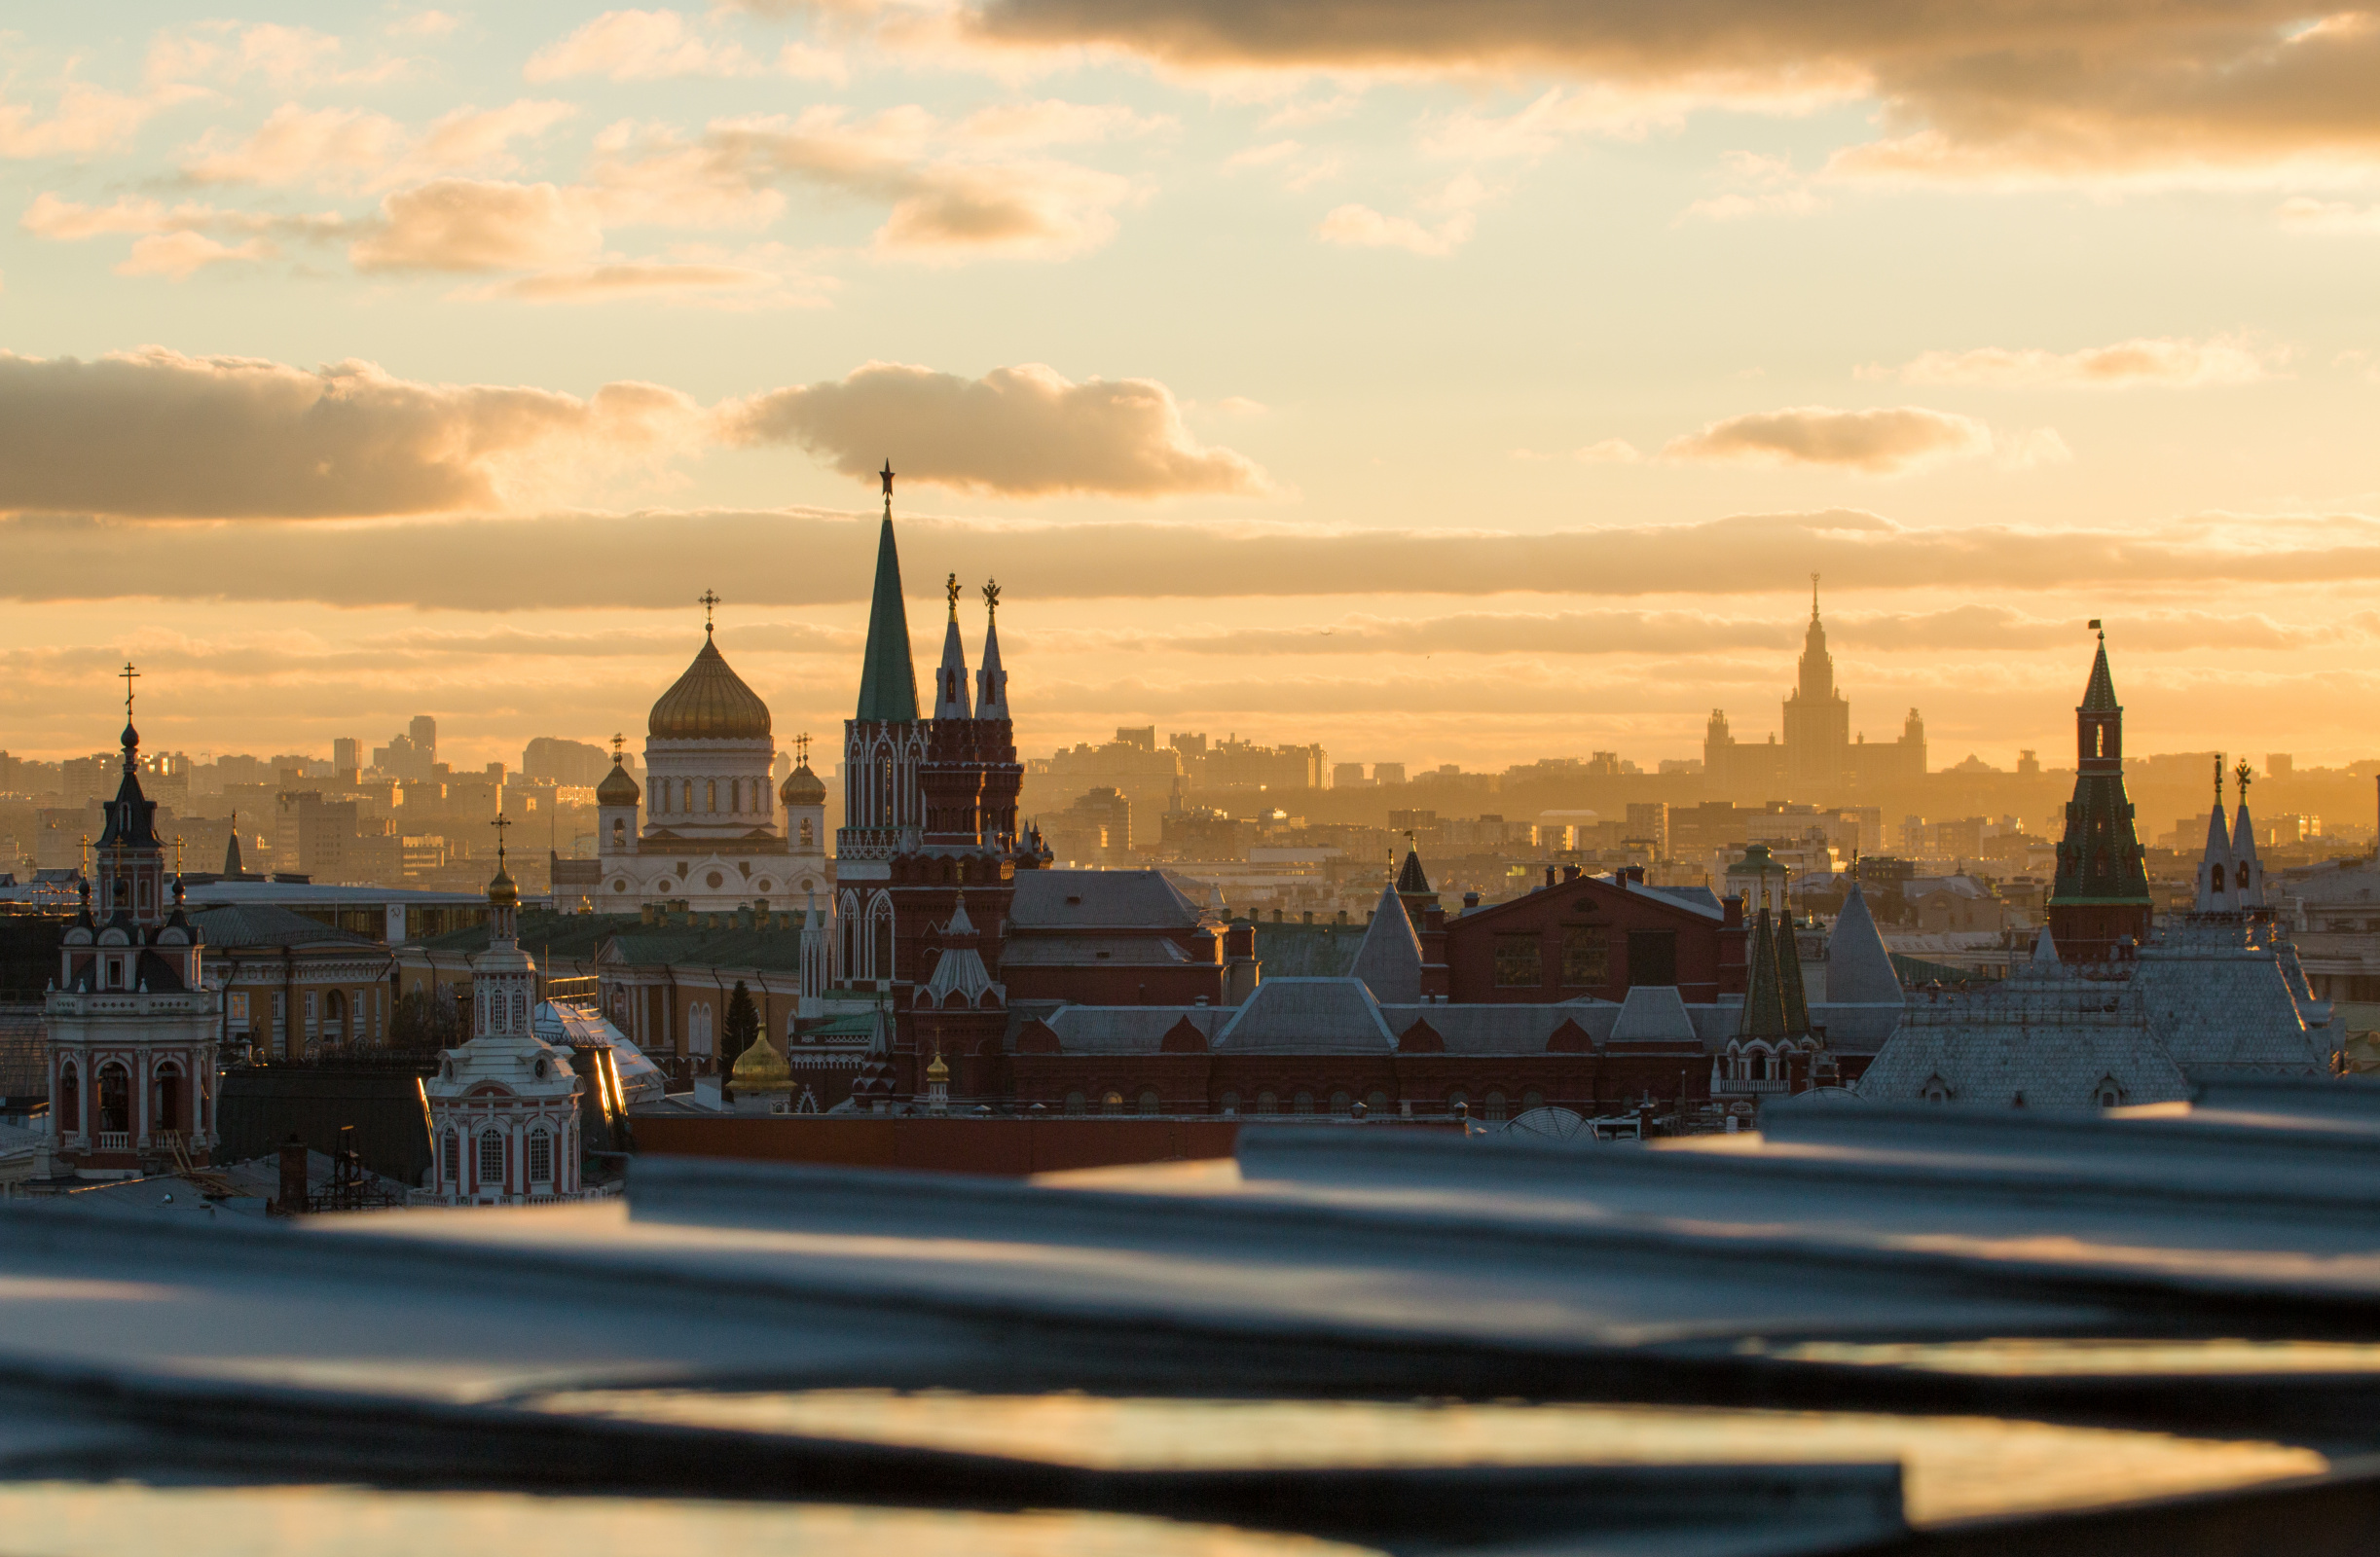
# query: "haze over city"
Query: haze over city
1437,393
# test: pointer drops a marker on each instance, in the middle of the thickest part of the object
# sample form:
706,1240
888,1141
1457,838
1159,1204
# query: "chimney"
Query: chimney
1471,901
1548,875
292,1201
1732,910
1570,872
1635,873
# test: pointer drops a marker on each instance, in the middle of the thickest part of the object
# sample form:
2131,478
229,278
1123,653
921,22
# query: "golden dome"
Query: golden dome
709,703
802,787
501,893
617,788
762,1069
937,1071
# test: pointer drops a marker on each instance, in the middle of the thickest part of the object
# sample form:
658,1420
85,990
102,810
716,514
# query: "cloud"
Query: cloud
944,206
87,120
638,46
156,433
2304,215
424,24
471,225
1999,90
479,562
1015,431
607,283
1884,441
1608,451
1362,227
344,148
2163,362
180,255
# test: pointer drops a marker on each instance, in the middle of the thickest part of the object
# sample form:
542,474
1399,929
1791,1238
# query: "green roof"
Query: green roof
888,680
562,937
777,950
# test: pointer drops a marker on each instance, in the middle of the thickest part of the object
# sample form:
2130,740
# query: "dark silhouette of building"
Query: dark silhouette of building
2099,899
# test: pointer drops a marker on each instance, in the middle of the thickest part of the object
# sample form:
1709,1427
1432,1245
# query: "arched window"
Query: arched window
1230,1103
69,1098
1267,1103
686,795
520,1011
1113,1103
619,836
481,996
1151,1102
1532,1099
449,1158
165,1106
1378,1103
1302,1103
1341,1101
1457,1098
1493,1107
1077,1102
880,937
2243,873
711,794
540,1155
335,1014
490,1159
808,838
115,1100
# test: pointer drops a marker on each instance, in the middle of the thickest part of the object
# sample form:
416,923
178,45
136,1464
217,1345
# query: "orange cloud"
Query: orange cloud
1015,431
1886,442
467,225
2168,363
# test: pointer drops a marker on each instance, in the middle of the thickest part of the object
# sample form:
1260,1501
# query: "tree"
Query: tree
425,1019
742,1028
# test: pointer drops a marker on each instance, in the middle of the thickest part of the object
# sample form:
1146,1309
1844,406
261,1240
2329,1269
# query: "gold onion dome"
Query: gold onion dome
762,1069
617,788
937,1071
802,787
501,893
710,703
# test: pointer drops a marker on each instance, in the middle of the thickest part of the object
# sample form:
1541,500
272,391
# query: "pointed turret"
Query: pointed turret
2044,948
2215,895
1858,963
2100,901
887,679
950,693
1763,1002
991,682
232,869
1795,998
1389,959
2247,870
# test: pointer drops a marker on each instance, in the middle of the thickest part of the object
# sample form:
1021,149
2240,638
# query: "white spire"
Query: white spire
991,682
2247,870
950,681
2215,867
1389,959
2044,950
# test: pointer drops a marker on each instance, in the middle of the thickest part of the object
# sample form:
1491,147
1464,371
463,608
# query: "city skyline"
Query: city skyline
1515,373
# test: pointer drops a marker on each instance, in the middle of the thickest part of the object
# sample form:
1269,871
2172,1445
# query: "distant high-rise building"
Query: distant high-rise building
2279,764
1348,775
422,731
1819,759
1388,773
346,755
573,763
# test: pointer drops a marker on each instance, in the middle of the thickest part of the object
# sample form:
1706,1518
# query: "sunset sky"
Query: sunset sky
1441,382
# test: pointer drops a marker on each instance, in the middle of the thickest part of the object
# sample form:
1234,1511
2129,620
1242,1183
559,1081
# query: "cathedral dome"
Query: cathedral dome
617,788
802,787
709,703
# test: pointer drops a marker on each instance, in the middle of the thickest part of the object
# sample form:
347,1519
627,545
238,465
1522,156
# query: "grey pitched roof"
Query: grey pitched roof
1308,1016
1701,900
1130,1028
1099,899
1858,965
1389,958
1307,951
1075,951
1653,1011
2045,1037
268,924
1503,1028
2219,1000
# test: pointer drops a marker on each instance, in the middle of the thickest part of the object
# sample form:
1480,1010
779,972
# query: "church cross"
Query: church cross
502,822
130,675
991,600
802,747
617,741
710,602
887,474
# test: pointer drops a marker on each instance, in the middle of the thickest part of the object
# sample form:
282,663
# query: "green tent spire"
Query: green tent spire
2100,695
1763,1002
888,681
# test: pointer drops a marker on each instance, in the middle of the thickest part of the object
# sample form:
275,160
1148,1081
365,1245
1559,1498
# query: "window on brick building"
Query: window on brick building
1267,1103
449,1158
540,1156
1492,1107
1342,1103
1113,1103
1230,1103
1586,957
1302,1103
1532,1099
1077,1102
490,1159
1151,1102
1651,957
1520,962
1378,1103
1457,1098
